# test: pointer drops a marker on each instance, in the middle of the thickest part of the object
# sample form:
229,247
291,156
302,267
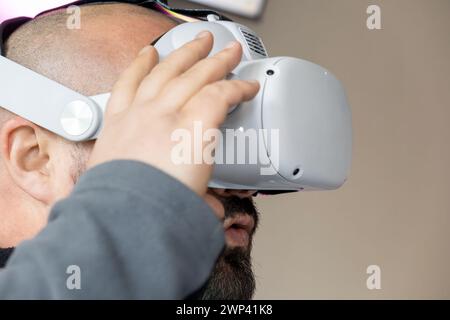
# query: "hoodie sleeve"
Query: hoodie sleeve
127,231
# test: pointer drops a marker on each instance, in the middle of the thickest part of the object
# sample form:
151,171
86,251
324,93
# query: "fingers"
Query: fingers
174,65
124,90
212,103
178,91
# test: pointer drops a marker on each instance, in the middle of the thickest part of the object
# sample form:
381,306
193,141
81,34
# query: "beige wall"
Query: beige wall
395,209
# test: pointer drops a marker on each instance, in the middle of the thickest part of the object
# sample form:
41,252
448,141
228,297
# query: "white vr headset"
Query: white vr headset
300,118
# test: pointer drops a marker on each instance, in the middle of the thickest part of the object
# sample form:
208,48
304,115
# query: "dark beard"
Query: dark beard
4,256
232,277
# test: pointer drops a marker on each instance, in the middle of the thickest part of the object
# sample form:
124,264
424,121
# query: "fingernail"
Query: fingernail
232,44
254,82
202,34
144,50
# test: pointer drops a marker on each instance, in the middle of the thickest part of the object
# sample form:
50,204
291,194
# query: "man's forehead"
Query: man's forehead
91,58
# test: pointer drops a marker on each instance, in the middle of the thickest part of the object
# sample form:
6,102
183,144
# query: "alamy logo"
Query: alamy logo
374,20
74,19
73,281
228,146
374,280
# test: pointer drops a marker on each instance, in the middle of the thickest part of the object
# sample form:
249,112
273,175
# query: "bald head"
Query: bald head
90,59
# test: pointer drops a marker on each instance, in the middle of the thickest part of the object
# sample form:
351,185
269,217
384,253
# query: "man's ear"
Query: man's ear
24,149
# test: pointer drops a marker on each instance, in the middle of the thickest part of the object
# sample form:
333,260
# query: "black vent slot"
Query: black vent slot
254,43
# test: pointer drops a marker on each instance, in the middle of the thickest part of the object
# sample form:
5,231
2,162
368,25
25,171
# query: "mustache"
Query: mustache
234,206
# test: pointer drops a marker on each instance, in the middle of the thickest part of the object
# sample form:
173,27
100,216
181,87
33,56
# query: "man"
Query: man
39,168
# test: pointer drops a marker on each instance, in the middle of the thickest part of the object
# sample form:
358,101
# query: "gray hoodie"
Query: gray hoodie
127,231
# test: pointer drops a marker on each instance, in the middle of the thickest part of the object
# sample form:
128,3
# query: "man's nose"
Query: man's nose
230,192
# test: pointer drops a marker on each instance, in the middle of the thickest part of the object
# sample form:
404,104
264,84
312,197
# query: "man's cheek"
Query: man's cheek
64,177
62,186
215,205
